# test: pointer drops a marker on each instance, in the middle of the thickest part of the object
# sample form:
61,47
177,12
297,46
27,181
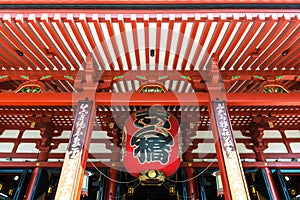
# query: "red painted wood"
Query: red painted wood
103,42
55,44
190,44
11,46
148,2
179,43
35,56
52,48
66,99
291,60
32,184
125,43
146,42
169,40
72,24
58,45
234,42
111,184
278,46
191,185
114,43
262,48
159,31
290,46
200,49
246,40
254,44
62,27
272,185
215,36
135,41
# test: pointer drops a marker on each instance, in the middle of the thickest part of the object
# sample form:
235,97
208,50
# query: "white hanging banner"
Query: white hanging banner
233,165
72,170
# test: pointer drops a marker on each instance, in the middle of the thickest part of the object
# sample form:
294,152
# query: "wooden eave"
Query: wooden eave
252,47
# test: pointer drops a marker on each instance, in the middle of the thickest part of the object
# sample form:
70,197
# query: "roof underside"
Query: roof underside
54,44
175,48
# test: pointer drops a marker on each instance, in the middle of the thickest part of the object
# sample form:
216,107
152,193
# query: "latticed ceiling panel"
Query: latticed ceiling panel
241,121
20,146
25,146
257,109
14,121
64,121
284,121
62,117
204,123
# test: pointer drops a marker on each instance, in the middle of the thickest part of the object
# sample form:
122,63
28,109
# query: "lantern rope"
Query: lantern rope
187,180
121,182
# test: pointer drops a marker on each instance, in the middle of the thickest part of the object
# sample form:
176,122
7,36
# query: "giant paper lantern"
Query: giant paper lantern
150,142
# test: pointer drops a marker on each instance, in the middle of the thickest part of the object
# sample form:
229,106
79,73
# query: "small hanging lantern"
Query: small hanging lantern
172,190
130,191
253,190
10,192
220,189
85,184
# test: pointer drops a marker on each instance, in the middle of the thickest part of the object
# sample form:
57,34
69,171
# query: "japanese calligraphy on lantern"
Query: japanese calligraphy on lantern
224,128
151,141
79,128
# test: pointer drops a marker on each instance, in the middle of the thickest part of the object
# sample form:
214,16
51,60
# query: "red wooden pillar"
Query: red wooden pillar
261,157
191,186
271,182
111,184
31,184
233,178
44,148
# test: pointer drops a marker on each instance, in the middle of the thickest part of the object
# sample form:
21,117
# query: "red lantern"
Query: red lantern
150,142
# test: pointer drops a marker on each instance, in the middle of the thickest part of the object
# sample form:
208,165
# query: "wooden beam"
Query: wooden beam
173,75
138,99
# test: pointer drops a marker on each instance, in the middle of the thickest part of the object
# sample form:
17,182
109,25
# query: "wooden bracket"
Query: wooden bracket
90,84
214,82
